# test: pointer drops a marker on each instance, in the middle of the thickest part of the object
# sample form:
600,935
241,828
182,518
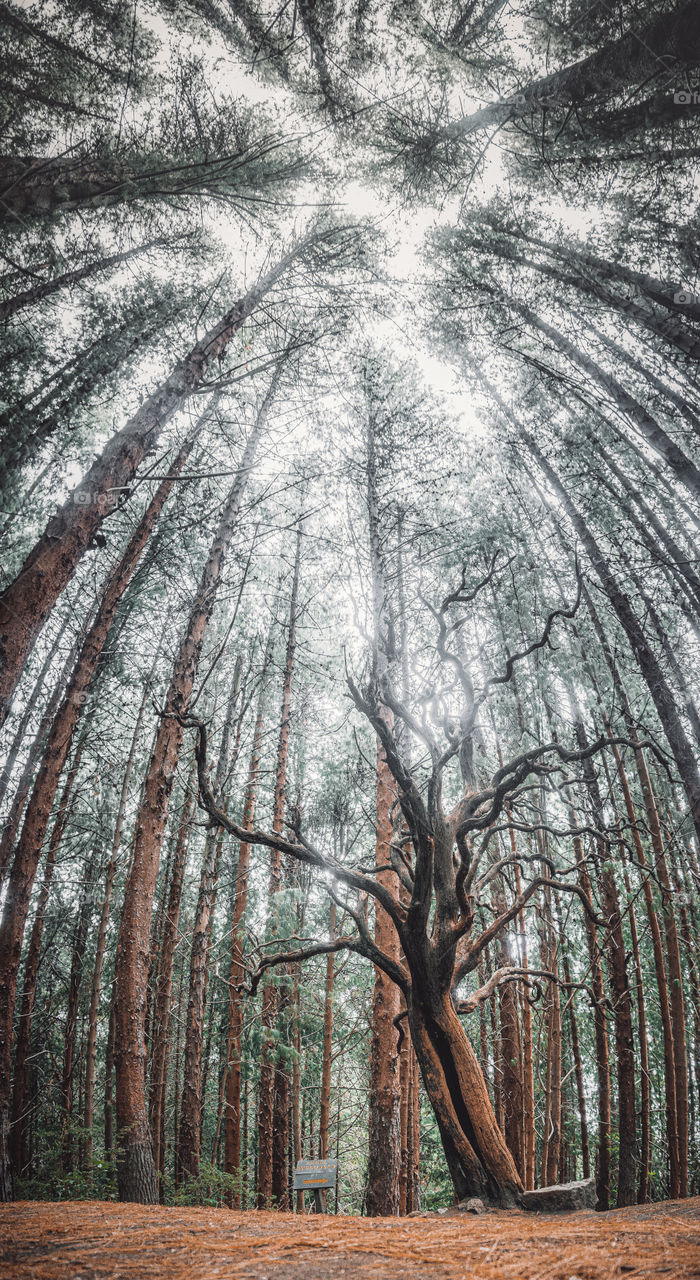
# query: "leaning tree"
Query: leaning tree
444,866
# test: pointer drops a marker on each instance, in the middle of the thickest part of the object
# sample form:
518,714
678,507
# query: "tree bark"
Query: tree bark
58,744
619,983
20,1083
384,1163
327,1058
682,467
273,1125
661,694
511,1054
644,1074
26,603
578,1072
161,1009
232,1065
90,1050
384,1157
20,733
29,297
600,1028
675,970
414,1181
41,186
667,328
478,1158
189,1146
296,1087
670,40
24,786
67,1092
136,1170
109,1079
552,1137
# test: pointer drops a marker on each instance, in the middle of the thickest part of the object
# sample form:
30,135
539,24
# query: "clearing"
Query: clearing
89,1240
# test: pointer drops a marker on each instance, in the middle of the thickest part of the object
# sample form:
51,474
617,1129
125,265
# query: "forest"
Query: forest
349,601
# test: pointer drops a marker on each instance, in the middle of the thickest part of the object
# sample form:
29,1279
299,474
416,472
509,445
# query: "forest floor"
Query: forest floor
92,1240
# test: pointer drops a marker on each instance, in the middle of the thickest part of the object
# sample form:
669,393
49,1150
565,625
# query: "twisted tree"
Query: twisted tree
435,918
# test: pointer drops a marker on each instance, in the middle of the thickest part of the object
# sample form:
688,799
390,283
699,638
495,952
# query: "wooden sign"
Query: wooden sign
314,1175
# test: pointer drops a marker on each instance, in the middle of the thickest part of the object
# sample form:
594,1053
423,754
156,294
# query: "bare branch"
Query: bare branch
396,1022
536,644
509,973
471,957
304,953
300,849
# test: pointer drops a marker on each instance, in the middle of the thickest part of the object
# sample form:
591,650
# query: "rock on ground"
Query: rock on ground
472,1205
568,1196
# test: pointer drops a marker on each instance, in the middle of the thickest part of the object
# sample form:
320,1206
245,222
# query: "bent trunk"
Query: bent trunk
478,1158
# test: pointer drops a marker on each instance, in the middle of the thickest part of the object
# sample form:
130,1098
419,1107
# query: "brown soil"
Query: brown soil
90,1240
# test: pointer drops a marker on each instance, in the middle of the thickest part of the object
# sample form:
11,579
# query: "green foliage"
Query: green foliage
212,1187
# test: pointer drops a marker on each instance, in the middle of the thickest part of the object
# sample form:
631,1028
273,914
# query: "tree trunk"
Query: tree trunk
280,1110
404,1105
273,1127
327,1058
511,1055
102,935
109,1076
26,603
551,1147
600,1027
682,467
654,929
41,186
136,1170
237,974
29,297
662,696
67,1091
653,533
161,1010
528,1078
384,1163
15,747
675,971
669,329
478,1158
414,1182
578,1072
619,983
296,1087
189,1146
549,959
672,39
644,1075
20,1084
19,800
664,389
56,751
659,291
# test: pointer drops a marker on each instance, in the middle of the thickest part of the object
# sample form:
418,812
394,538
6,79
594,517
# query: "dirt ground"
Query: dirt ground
91,1240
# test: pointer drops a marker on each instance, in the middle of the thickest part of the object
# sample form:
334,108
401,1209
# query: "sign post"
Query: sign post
316,1176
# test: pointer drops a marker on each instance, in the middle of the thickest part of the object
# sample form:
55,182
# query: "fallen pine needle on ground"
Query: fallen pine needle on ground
93,1240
